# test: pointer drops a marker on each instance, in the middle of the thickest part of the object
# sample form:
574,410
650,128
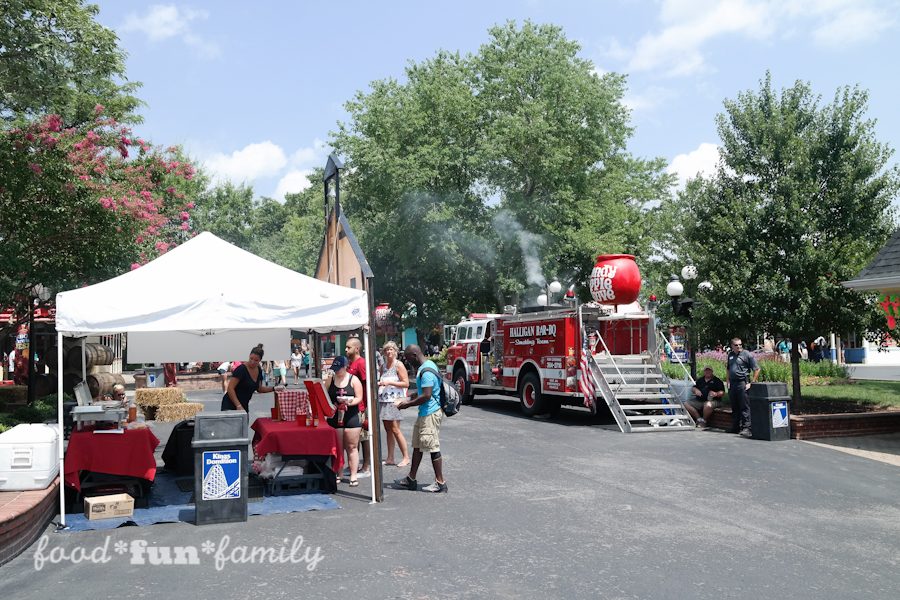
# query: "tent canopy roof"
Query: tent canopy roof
208,284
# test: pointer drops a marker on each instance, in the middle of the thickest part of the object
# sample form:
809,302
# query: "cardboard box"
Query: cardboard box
108,507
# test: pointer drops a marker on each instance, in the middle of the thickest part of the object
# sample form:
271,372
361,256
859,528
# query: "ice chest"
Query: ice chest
28,457
108,507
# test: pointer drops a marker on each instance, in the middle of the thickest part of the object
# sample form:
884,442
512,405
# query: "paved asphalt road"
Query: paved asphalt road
568,508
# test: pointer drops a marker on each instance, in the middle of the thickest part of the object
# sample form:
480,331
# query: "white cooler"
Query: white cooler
28,457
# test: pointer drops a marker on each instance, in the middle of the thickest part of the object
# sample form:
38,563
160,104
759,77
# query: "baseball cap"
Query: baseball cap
340,362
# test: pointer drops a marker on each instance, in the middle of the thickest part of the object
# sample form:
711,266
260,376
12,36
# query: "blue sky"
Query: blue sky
252,89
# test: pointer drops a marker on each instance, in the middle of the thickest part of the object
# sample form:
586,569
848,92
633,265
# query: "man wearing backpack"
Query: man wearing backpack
425,436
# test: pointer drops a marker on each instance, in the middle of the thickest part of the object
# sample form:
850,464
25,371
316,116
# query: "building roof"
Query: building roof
884,270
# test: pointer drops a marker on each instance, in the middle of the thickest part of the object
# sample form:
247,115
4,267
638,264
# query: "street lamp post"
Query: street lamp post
546,299
41,294
683,307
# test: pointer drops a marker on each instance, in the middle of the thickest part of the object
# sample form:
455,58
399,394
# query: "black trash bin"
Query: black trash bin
769,411
220,467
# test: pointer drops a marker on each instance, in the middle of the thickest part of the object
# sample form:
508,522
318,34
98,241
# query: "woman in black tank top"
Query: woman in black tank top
346,388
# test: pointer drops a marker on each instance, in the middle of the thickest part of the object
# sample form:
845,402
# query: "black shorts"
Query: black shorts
351,419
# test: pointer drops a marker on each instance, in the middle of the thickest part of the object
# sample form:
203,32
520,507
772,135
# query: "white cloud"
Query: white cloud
291,183
852,27
310,156
260,163
164,21
701,161
689,25
647,99
264,159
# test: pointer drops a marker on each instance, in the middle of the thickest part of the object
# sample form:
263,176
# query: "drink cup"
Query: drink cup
274,413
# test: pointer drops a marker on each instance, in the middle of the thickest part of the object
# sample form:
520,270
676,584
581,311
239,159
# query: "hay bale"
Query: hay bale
159,396
178,412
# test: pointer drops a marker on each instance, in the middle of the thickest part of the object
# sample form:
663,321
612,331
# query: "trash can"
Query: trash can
155,377
220,467
682,388
769,411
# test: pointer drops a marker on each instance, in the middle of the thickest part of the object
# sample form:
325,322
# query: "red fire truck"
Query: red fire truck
569,356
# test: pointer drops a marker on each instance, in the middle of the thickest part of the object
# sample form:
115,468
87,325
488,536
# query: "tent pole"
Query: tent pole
59,423
83,361
372,393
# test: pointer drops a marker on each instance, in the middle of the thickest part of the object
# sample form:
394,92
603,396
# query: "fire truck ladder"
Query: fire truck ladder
638,393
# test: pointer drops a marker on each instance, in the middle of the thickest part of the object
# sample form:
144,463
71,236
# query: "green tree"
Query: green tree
56,58
287,234
410,188
227,211
477,174
290,234
800,202
554,148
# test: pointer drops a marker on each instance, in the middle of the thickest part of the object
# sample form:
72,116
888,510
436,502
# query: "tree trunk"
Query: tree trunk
796,399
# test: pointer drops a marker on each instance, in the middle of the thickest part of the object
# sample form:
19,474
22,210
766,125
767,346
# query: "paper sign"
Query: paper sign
779,414
221,475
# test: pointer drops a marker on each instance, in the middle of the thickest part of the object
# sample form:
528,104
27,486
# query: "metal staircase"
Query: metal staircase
638,393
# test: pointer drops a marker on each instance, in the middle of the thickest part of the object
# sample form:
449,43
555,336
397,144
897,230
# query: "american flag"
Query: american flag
586,380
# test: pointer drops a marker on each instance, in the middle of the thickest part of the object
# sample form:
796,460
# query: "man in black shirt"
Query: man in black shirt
707,395
742,371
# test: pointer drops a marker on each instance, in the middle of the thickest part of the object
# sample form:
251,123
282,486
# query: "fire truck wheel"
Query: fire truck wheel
459,380
530,395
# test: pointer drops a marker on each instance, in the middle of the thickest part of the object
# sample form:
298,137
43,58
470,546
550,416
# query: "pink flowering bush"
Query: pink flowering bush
81,204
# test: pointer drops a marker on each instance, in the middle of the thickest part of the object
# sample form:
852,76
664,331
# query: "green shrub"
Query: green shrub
43,409
28,414
823,369
769,370
773,370
673,370
440,359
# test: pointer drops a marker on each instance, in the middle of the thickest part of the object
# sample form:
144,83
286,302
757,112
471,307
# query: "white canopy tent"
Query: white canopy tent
209,300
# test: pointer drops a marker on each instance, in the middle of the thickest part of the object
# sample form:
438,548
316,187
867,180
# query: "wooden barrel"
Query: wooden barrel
106,381
94,354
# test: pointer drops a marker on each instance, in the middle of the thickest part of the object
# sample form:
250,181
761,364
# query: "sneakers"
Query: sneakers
701,423
745,433
406,483
436,488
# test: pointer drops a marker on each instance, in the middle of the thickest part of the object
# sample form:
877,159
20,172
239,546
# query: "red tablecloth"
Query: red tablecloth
286,437
129,454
